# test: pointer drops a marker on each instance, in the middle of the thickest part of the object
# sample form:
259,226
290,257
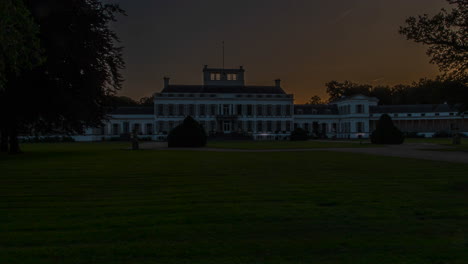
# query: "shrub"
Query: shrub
299,134
386,132
188,134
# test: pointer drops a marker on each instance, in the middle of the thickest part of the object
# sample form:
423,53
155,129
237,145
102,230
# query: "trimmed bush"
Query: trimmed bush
387,132
299,134
190,134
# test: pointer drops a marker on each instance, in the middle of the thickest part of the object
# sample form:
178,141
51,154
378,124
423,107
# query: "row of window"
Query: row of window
346,109
216,76
414,115
223,109
344,127
208,95
238,126
126,128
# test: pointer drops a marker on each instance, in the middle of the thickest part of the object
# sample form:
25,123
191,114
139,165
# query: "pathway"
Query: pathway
425,151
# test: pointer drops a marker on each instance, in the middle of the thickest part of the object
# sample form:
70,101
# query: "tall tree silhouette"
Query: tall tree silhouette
19,50
83,63
446,34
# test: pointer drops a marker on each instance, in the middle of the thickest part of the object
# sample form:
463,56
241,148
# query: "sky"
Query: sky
305,43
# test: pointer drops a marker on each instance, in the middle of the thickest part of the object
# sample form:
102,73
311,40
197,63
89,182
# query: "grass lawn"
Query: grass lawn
287,144
96,203
442,141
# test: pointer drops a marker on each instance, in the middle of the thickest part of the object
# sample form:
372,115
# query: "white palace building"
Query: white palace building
224,105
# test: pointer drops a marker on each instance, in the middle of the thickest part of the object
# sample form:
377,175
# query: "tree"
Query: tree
119,101
336,90
147,101
386,132
446,34
66,93
315,100
19,50
189,134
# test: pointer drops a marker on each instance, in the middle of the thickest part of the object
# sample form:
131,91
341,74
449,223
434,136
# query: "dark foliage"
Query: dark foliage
67,92
299,134
54,139
189,134
425,91
113,101
446,34
386,132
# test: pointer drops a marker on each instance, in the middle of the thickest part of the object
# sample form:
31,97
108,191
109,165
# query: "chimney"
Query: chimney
166,82
278,83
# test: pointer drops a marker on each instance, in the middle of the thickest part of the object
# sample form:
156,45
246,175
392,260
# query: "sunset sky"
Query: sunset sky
306,43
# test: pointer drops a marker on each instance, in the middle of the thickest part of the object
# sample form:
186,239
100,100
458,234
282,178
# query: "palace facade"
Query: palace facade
224,104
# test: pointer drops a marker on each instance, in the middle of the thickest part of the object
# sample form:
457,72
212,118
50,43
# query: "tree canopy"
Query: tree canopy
446,34
19,43
66,93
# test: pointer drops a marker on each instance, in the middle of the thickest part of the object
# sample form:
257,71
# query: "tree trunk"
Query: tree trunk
13,140
3,140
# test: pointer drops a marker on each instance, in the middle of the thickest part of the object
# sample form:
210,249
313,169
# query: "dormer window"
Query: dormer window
215,76
232,77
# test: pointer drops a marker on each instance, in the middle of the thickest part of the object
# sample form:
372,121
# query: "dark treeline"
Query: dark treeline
113,101
425,91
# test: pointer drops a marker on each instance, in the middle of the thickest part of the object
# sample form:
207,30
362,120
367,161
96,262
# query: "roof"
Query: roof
223,89
416,108
356,97
133,110
315,109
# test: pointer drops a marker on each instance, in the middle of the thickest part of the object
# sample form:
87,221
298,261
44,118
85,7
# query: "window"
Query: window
149,129
259,110
269,126
213,125
202,110
395,115
215,76
278,110
239,109
126,127
423,114
288,110
182,110
226,109
171,110
249,126
136,128
213,109
191,110
160,126
437,114
269,110
232,77
240,126
160,110
249,110
288,125
360,127
451,114
115,129
409,115
259,126
360,109
278,126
